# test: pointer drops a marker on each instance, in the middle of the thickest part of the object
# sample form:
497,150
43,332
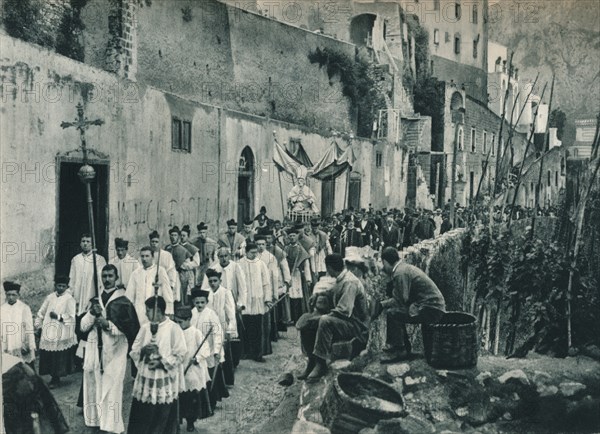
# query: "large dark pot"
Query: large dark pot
355,401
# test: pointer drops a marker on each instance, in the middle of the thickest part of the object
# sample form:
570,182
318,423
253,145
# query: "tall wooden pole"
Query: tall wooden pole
544,150
457,123
518,184
503,117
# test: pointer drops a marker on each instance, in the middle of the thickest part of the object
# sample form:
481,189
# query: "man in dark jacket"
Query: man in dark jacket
415,298
390,234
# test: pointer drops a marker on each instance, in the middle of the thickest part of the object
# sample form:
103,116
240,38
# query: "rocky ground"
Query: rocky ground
257,403
534,395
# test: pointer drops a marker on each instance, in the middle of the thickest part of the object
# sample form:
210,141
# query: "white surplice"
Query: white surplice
159,386
168,263
273,266
57,334
81,279
125,267
17,330
204,321
232,278
103,393
260,289
197,375
141,287
222,302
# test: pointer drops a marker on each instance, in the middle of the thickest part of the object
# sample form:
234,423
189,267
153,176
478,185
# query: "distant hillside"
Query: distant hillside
560,36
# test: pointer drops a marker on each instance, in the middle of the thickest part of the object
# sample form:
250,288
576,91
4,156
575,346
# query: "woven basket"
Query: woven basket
350,403
451,343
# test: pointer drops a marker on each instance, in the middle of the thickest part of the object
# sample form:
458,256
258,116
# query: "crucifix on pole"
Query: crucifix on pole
87,174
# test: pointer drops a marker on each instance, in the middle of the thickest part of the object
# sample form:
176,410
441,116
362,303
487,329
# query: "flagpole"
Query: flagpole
280,186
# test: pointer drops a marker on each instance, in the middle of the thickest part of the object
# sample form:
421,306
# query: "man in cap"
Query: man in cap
349,236
18,336
415,298
165,259
58,341
346,321
322,247
232,278
124,262
221,301
248,232
194,251
183,264
281,314
114,316
301,278
159,360
141,285
274,273
207,249
233,240
259,300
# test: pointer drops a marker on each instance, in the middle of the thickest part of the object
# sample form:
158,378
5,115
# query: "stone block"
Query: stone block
515,375
569,389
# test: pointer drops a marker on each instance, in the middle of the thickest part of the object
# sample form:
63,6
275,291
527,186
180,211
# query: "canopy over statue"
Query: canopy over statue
301,199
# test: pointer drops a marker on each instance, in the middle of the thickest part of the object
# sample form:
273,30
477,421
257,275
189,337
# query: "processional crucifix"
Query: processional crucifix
87,174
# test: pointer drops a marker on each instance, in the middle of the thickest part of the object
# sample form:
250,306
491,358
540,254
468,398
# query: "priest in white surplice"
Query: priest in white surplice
232,278
165,259
270,261
125,263
81,275
103,376
258,302
141,285
17,332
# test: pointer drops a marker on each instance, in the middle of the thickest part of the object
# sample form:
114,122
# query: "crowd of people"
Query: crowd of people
186,312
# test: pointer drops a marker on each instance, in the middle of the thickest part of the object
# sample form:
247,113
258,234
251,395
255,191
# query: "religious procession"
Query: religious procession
179,316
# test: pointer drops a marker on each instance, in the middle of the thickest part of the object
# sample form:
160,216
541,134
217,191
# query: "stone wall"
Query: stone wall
210,52
150,185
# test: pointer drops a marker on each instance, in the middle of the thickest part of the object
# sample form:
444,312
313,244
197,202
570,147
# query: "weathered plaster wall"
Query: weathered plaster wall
41,89
210,52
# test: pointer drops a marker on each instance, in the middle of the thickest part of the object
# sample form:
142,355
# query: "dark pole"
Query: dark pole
87,174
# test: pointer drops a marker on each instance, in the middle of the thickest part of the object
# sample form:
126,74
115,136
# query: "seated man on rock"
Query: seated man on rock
414,298
346,321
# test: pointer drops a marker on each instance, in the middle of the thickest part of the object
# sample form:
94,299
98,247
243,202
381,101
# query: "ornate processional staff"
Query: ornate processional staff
87,174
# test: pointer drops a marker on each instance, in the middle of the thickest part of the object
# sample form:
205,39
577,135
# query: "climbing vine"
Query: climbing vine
30,21
356,76
520,289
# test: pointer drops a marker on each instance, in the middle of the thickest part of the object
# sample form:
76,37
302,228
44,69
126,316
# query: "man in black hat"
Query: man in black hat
233,240
124,262
322,247
165,259
349,236
301,278
183,264
159,359
248,232
18,336
207,249
347,320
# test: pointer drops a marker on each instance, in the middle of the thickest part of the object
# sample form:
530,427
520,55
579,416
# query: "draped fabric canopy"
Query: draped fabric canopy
335,162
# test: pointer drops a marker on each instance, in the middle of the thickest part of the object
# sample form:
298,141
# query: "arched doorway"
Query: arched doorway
361,29
245,186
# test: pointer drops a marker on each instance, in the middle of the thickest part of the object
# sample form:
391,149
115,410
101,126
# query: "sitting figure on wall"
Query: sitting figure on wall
301,199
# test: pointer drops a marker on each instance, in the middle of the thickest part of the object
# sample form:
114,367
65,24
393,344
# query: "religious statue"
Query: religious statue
301,199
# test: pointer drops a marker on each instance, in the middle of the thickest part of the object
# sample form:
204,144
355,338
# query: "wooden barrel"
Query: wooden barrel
451,343
355,401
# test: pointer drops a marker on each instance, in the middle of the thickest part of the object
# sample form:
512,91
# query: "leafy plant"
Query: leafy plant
357,76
